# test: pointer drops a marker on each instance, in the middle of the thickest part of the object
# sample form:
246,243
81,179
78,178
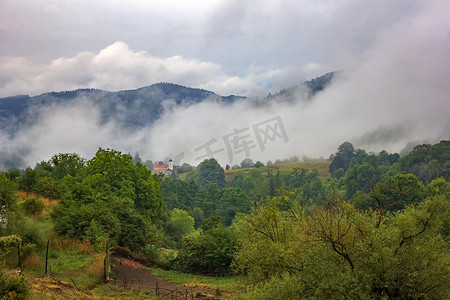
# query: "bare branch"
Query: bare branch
379,209
425,226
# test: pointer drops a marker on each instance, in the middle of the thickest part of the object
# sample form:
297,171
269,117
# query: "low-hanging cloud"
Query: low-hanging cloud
117,67
399,93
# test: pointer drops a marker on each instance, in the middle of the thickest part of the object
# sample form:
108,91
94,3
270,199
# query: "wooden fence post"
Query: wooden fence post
46,258
74,283
18,255
106,265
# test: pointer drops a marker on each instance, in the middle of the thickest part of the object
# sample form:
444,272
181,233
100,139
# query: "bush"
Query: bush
49,187
210,252
29,230
33,206
152,252
13,287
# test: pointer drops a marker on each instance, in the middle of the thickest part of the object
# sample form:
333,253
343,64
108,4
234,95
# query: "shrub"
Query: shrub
211,251
13,287
33,206
152,252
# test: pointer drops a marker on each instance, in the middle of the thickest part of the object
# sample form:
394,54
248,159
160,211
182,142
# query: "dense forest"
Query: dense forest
372,226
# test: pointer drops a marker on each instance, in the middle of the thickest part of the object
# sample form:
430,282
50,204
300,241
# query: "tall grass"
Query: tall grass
85,269
114,292
226,284
321,166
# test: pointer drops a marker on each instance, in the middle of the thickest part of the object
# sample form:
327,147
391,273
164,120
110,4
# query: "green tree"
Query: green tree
136,230
209,171
179,225
267,237
259,164
11,287
247,163
28,180
211,251
63,164
359,177
249,184
398,192
232,201
178,193
342,158
426,161
111,171
185,167
238,180
148,193
49,187
339,253
8,199
116,200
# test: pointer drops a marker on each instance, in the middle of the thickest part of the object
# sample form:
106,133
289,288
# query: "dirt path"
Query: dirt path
133,275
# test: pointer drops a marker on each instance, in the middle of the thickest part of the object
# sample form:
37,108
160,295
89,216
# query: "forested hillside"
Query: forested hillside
372,226
132,108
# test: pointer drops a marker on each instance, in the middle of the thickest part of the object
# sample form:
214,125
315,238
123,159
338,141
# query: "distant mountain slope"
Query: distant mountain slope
131,108
128,109
306,89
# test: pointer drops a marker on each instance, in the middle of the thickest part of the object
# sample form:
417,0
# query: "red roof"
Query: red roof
160,166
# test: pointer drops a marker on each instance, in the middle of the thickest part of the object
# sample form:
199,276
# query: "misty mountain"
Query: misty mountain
131,108
307,89
25,119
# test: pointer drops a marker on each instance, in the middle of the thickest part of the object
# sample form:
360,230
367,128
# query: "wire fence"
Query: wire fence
154,288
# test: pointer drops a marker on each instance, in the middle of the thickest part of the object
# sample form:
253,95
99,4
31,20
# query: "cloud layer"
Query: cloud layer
229,47
114,68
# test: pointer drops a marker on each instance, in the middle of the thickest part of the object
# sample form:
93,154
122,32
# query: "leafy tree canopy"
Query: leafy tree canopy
209,171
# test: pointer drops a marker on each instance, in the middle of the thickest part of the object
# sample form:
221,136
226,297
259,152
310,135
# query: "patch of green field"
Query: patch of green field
85,269
228,284
182,176
321,166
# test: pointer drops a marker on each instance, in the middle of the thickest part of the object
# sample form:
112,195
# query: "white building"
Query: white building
162,168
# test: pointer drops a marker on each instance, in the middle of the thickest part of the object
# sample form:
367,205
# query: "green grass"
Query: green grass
225,284
321,166
84,269
111,291
68,258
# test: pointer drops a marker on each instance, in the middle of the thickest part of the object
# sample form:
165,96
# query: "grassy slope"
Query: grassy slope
321,166
229,286
70,261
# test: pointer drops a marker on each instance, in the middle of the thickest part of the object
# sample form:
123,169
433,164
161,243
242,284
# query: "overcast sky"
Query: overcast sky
393,87
230,47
